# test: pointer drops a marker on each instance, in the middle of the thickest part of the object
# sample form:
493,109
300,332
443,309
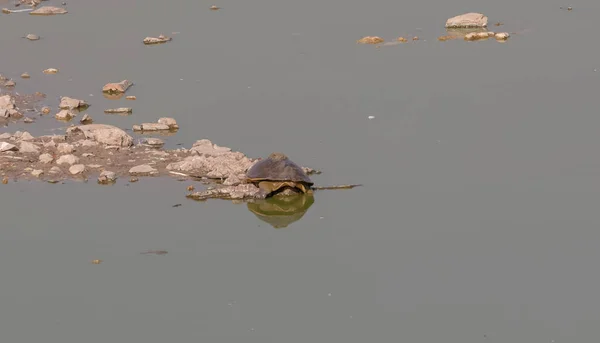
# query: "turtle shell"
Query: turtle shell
277,167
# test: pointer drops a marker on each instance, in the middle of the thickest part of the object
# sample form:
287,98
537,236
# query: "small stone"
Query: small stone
86,119
28,120
143,170
27,147
65,148
55,170
151,127
370,40
88,143
7,102
214,8
71,104
50,144
37,172
502,36
46,158
13,113
50,71
133,179
402,39
155,142
77,169
23,136
156,40
65,115
9,83
119,110
130,97
119,87
170,122
467,20
87,154
25,76
4,180
45,110
107,177
49,10
7,147
67,159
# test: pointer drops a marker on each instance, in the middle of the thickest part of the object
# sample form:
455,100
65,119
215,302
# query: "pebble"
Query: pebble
65,148
46,158
25,76
77,169
107,177
50,71
32,36
37,172
67,159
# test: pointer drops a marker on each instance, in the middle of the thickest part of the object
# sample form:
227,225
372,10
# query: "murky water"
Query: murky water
478,221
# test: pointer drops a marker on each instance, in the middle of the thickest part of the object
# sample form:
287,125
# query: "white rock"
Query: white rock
65,115
7,147
46,158
77,169
106,134
143,169
67,103
67,159
37,172
65,148
28,147
467,20
106,177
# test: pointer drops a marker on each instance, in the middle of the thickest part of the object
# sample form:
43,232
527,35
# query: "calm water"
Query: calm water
478,221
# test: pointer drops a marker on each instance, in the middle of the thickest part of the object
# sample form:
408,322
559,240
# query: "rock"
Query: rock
10,83
151,127
7,102
7,147
156,40
50,71
212,161
106,134
5,135
27,147
23,136
170,122
25,76
28,120
467,20
65,148
45,110
4,113
107,177
370,40
88,143
71,104
32,36
48,10
12,113
37,172
46,158
130,97
119,87
154,142
67,159
65,115
77,169
402,40
55,170
86,119
143,170
502,35
119,110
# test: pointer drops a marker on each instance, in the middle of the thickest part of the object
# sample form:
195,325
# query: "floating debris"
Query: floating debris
49,10
119,110
370,40
156,40
118,87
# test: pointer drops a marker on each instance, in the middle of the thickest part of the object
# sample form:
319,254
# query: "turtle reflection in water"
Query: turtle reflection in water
280,211
278,174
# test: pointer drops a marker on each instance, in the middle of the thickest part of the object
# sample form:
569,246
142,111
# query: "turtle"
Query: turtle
278,173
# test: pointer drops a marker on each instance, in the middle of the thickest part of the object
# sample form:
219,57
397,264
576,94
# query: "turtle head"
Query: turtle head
278,156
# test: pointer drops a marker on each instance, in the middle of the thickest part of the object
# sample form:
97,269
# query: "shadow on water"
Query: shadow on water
281,211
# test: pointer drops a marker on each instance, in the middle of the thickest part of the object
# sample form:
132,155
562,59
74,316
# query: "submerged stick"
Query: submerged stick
317,188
